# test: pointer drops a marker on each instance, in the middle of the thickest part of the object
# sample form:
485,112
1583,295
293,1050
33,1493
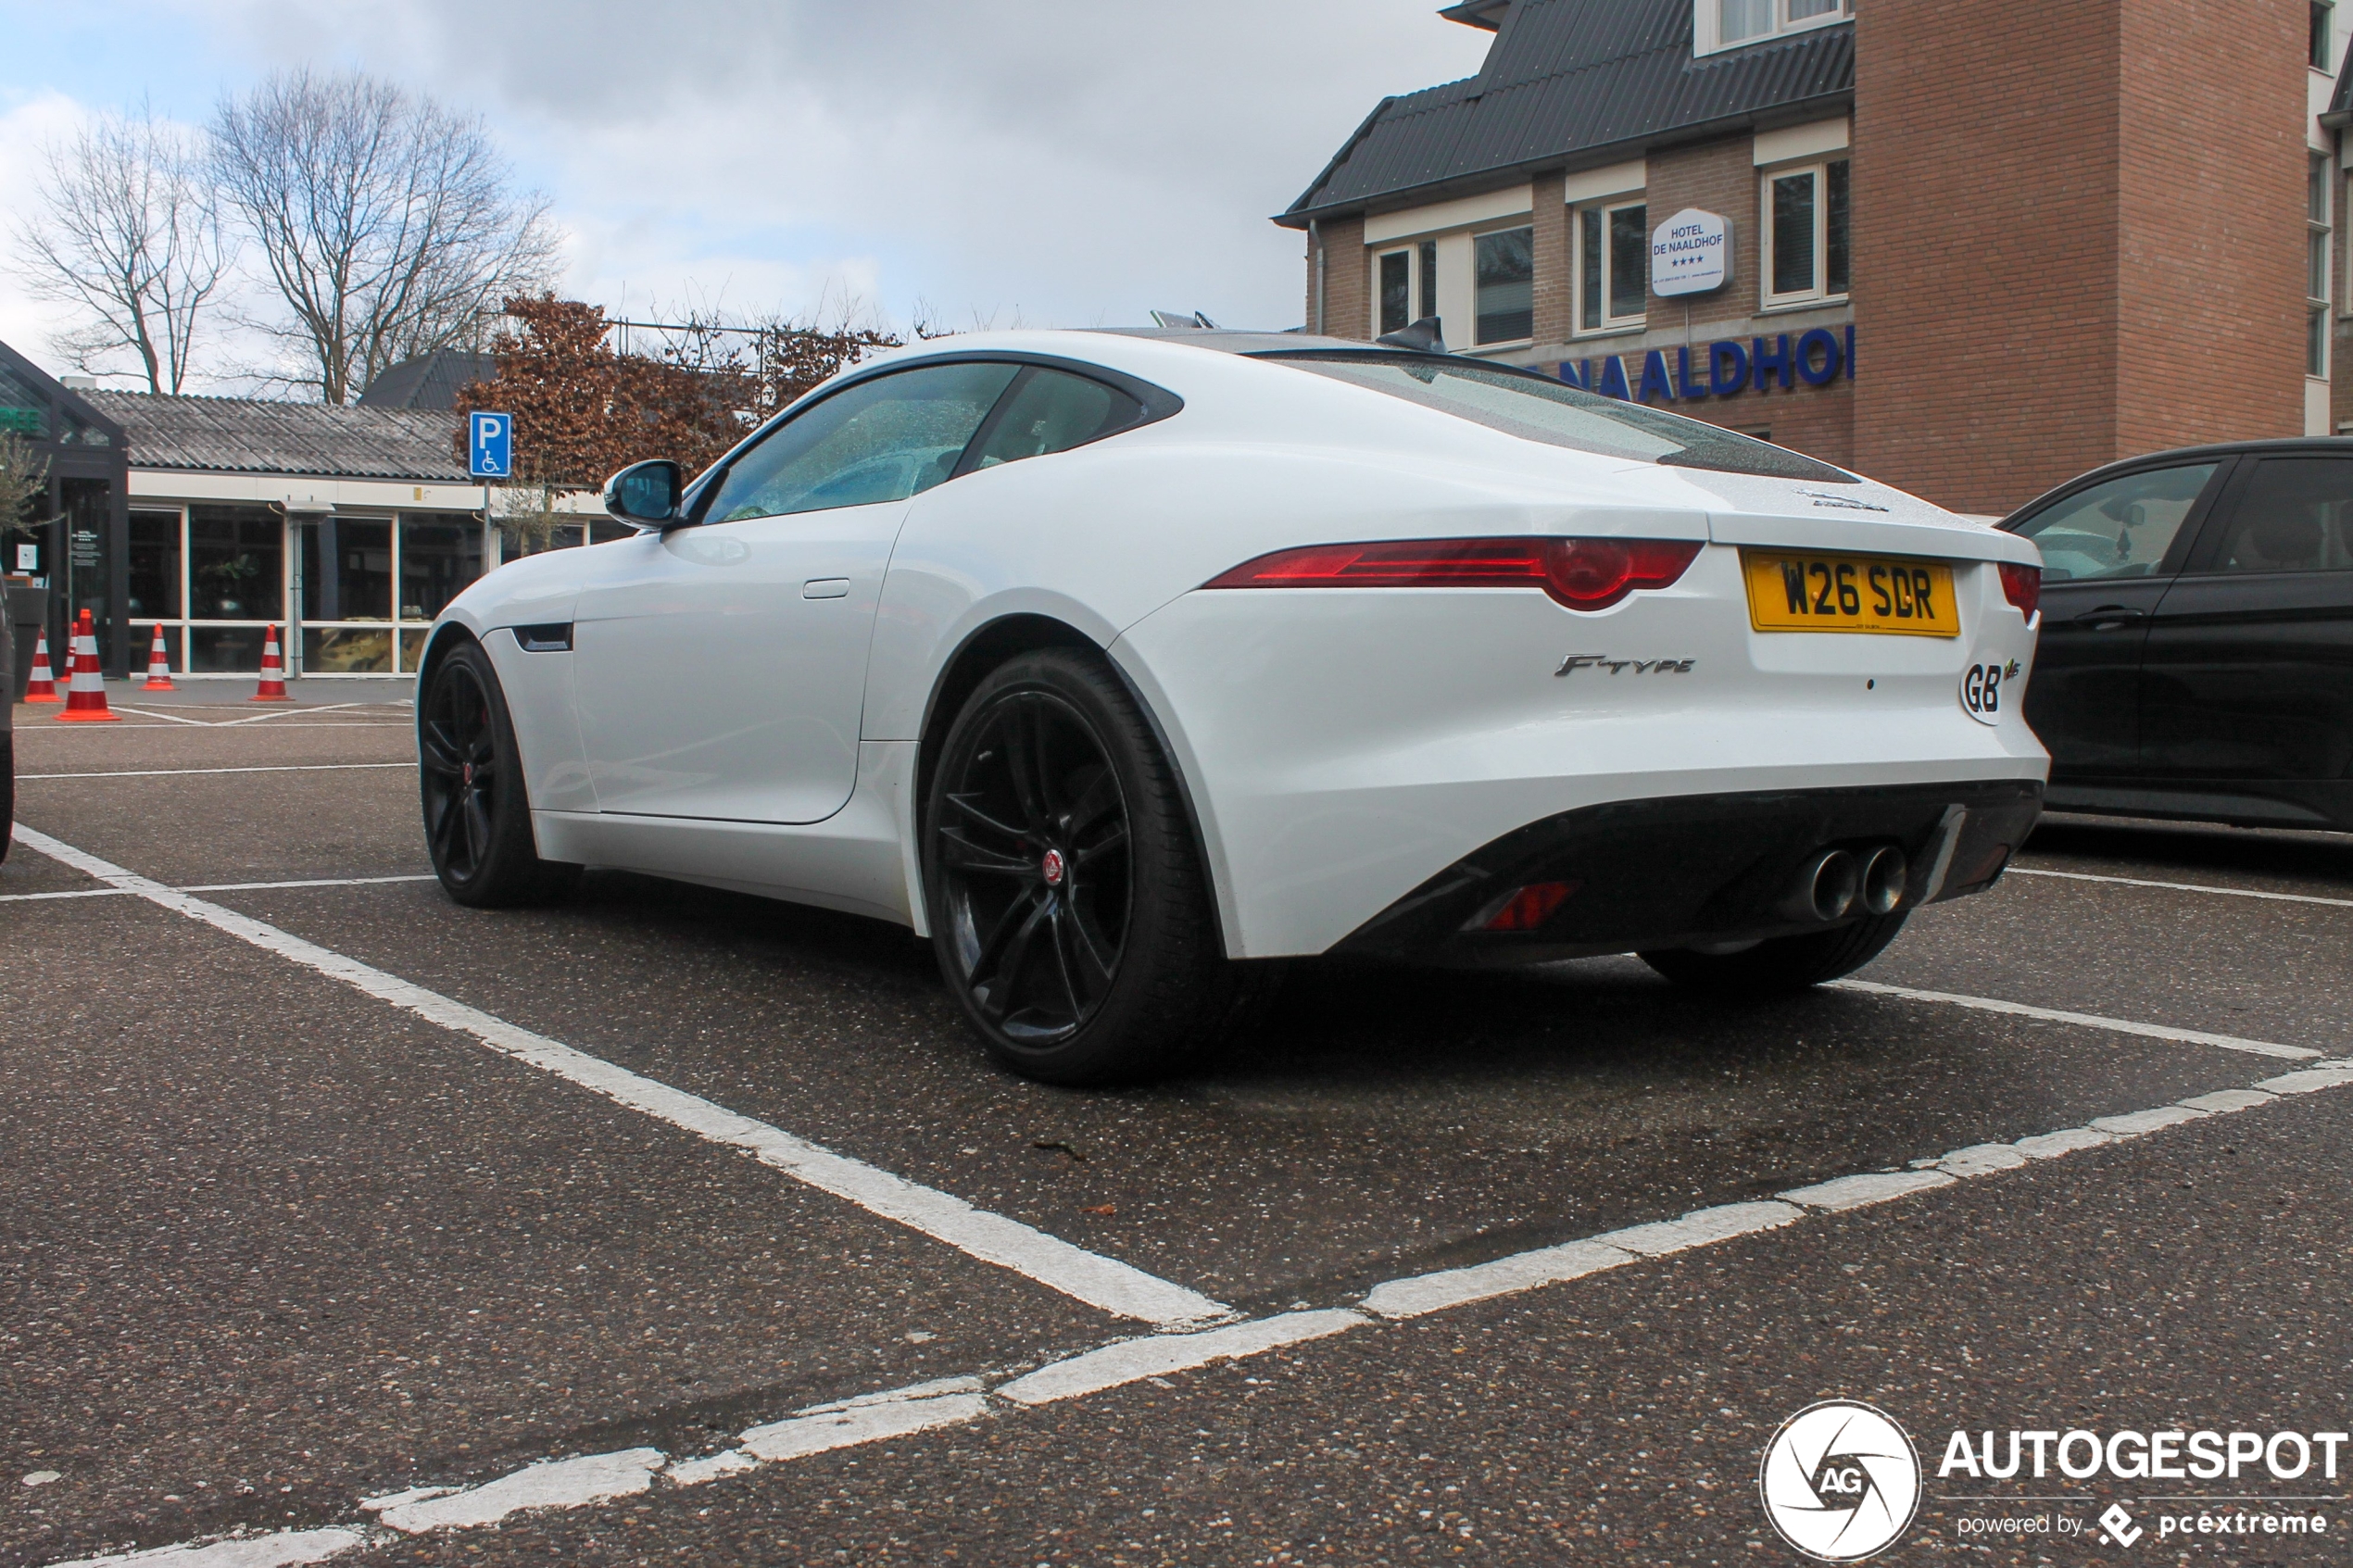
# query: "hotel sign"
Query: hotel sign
1691,253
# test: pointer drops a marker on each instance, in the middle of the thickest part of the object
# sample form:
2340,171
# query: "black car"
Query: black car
2196,651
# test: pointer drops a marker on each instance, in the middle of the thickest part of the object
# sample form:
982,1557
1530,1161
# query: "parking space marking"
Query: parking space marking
175,772
586,1480
2191,887
2087,1020
221,887
1103,1283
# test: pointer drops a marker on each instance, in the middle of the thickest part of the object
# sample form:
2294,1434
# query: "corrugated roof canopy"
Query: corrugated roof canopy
1569,82
247,435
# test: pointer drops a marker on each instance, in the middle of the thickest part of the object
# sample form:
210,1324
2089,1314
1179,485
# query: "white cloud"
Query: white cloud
1076,164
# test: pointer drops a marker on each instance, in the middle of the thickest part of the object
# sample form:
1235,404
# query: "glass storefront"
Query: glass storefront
365,587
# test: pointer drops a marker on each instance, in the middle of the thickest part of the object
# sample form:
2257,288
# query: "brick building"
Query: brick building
1971,250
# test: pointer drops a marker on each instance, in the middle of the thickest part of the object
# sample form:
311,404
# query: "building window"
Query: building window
1613,267
2316,225
1727,24
1503,266
2320,54
1396,290
1807,222
1407,286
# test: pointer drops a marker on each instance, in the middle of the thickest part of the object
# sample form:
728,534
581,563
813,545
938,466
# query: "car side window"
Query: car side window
880,440
1052,411
2295,514
2120,529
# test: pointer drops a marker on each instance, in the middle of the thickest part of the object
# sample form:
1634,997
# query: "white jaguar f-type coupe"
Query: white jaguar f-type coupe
1115,663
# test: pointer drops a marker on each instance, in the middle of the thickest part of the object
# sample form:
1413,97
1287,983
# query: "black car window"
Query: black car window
2296,514
1052,411
880,440
2121,527
1536,407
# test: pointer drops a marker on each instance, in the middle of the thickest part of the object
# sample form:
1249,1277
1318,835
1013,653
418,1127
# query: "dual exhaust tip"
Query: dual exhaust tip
1839,883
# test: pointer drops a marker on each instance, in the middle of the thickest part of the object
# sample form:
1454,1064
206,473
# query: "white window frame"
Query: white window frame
2320,228
1707,24
1820,293
1420,261
1611,325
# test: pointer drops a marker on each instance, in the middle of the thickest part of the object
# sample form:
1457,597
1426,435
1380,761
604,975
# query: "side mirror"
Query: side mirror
645,496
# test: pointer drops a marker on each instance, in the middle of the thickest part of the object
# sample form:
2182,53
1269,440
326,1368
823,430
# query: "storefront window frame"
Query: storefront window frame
180,632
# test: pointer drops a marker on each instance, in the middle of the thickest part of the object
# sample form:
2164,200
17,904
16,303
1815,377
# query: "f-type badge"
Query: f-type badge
1602,662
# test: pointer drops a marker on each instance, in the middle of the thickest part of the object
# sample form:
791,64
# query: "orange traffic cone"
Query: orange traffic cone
86,698
42,685
158,666
273,673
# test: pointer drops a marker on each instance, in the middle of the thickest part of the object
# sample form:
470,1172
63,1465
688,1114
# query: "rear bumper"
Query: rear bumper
1698,868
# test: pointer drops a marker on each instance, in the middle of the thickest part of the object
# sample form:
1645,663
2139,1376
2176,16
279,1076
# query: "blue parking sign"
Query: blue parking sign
490,446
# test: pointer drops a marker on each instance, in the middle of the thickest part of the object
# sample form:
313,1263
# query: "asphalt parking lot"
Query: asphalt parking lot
589,1235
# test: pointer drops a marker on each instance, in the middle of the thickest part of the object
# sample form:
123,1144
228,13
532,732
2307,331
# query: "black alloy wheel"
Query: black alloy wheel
470,776
1034,857
1067,903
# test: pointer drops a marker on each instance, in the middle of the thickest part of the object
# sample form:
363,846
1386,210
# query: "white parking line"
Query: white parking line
2087,1020
587,1480
175,772
2191,887
219,887
1103,1283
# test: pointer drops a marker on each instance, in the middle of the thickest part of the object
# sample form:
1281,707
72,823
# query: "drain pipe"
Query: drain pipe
1316,243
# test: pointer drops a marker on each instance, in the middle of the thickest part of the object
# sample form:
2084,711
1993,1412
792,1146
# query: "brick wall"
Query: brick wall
1348,300
2213,101
2078,231
1554,303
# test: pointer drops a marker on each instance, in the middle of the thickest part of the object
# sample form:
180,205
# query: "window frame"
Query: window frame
1158,403
1611,326
1818,294
2319,275
1487,345
1707,26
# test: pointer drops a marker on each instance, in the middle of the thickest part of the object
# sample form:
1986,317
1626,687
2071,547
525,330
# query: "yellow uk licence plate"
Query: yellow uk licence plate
1789,592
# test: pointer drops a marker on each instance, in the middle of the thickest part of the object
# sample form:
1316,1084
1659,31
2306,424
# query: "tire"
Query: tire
7,790
1069,910
1781,964
471,782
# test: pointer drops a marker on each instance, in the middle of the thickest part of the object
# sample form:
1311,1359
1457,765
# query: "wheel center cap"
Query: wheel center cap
1054,868
469,773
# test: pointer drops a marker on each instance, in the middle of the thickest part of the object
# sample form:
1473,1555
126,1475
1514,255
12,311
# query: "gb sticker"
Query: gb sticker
1984,686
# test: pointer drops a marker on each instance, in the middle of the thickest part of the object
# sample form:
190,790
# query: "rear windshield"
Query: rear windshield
1536,408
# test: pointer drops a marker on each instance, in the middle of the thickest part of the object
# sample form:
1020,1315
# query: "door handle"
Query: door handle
2108,617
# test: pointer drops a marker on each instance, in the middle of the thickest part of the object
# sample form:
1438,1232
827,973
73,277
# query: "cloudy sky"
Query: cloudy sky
993,160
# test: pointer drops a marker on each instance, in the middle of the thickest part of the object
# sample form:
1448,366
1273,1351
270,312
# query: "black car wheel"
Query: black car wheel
1068,907
1781,964
469,773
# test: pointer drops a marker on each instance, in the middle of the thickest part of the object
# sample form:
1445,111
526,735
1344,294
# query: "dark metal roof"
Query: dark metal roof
1571,83
248,435
429,381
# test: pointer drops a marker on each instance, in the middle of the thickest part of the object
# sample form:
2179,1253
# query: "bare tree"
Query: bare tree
387,222
24,479
127,234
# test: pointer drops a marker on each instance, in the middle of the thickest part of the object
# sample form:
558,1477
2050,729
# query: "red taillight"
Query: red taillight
2022,585
1582,573
1530,907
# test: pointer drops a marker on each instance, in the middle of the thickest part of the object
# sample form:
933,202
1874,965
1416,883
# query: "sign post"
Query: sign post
490,454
